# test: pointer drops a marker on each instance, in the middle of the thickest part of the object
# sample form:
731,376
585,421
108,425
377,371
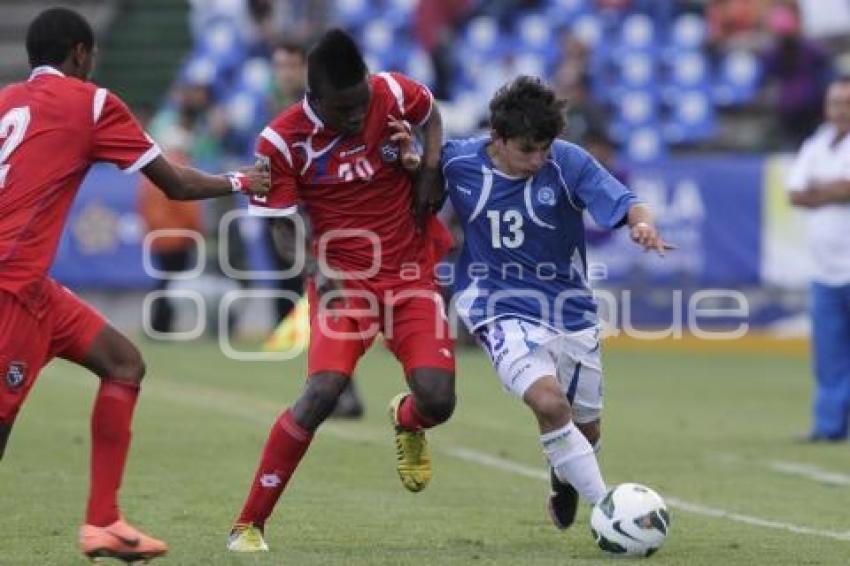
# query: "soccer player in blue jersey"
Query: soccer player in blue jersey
521,284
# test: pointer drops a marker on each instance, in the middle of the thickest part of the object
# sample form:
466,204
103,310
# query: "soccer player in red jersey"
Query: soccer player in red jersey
333,159
52,128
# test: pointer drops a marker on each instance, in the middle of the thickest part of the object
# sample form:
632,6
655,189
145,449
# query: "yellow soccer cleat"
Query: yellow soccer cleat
246,538
413,458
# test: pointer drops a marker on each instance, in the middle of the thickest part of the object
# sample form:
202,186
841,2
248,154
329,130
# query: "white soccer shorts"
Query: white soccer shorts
523,352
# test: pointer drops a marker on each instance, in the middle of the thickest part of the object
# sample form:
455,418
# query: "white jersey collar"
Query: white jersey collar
45,70
311,114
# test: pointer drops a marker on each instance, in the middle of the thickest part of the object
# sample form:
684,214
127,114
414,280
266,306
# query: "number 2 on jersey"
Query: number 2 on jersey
13,126
515,236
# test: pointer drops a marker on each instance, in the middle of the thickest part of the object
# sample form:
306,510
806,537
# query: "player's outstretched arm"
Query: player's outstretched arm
643,230
186,183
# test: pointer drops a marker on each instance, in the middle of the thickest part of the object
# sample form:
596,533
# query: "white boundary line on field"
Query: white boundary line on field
809,471
527,471
237,406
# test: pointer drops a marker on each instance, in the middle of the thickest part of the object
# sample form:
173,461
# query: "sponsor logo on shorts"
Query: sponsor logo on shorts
16,375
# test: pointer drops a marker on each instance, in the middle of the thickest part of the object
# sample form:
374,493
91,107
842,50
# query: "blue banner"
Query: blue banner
709,207
101,246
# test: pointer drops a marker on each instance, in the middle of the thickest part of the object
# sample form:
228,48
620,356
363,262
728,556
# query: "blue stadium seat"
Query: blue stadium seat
645,145
588,28
221,42
355,13
256,75
418,65
638,32
692,118
738,78
688,32
634,108
378,36
637,69
482,36
560,13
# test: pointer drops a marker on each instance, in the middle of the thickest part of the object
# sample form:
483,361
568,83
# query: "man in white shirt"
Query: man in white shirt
820,183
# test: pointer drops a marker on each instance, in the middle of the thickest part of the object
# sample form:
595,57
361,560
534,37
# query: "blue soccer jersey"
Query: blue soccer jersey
524,250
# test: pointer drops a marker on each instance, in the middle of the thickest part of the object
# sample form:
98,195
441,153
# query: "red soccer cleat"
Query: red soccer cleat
119,540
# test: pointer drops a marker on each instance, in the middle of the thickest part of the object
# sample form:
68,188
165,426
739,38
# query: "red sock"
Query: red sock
411,419
284,449
110,442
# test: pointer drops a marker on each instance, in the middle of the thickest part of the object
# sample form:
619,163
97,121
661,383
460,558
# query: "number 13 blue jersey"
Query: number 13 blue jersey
524,249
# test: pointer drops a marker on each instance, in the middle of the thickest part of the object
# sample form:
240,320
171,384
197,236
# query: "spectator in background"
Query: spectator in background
735,24
571,82
435,23
819,182
798,70
289,62
170,253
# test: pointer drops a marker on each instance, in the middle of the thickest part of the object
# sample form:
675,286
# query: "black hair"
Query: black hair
290,46
54,34
334,61
527,109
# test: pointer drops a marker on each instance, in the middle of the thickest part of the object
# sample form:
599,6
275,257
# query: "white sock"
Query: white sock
572,457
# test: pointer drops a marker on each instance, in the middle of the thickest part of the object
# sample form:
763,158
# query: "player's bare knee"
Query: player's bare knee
592,431
438,408
434,393
552,408
318,399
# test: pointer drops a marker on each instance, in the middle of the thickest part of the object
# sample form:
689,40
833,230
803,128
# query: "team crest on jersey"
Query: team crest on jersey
389,151
546,196
16,375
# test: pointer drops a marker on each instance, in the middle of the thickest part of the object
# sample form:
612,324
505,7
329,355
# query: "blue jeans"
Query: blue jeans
831,341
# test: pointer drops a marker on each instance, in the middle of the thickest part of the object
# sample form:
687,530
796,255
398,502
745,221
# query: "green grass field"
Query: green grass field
702,429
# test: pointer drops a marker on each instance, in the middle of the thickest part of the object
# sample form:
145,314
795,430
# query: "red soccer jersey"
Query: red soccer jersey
349,183
52,128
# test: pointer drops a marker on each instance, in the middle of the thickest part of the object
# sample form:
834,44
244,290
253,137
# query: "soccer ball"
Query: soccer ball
631,520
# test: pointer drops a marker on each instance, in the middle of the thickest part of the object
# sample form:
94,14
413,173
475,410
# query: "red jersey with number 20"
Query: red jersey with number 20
52,128
350,185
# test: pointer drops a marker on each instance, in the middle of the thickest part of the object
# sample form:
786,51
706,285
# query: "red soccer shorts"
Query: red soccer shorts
28,342
411,318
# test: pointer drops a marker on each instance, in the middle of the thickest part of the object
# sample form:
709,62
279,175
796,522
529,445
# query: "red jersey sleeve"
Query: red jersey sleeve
282,199
413,99
118,136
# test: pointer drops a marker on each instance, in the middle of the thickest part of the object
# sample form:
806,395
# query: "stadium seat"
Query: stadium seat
588,28
419,66
256,75
638,32
738,78
378,36
560,13
482,35
636,70
688,32
692,118
645,145
354,13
